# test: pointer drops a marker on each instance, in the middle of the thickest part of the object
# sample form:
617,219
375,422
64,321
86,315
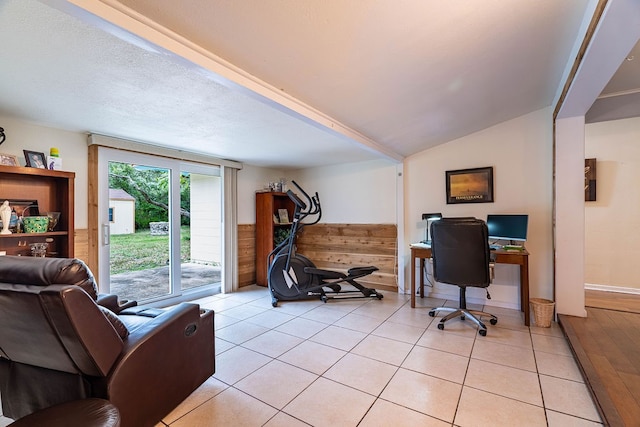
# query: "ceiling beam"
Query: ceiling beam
120,21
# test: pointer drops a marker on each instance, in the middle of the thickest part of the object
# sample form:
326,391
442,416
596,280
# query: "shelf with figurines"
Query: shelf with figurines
36,207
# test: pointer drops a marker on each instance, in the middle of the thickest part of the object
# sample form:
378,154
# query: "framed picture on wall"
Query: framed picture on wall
470,185
589,180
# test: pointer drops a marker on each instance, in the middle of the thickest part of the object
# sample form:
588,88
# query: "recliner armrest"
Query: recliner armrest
111,302
141,310
174,351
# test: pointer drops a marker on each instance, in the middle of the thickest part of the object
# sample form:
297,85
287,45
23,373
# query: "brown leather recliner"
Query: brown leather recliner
57,344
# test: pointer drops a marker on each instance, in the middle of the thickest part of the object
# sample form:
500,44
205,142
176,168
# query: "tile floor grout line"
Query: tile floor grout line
413,345
318,376
464,379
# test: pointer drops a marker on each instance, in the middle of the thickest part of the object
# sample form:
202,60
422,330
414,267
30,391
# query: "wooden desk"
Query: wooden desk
520,258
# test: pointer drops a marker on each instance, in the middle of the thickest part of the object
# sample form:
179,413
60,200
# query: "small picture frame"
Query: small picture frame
284,216
8,160
34,159
470,185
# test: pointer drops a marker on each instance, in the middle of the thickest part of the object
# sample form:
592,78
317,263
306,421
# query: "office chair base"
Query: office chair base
463,313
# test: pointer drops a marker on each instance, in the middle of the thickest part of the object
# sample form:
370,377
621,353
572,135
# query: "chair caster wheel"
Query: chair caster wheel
274,303
441,326
483,332
432,313
379,296
493,321
324,299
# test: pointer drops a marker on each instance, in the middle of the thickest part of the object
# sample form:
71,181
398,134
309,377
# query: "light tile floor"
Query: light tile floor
366,363
369,363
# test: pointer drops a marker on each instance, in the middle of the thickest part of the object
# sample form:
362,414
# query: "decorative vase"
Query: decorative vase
53,220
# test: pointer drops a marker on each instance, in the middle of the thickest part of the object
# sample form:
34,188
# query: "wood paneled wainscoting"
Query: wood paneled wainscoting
246,254
336,247
331,246
342,246
81,244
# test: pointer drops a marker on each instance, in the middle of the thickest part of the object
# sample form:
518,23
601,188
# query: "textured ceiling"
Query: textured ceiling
409,74
360,79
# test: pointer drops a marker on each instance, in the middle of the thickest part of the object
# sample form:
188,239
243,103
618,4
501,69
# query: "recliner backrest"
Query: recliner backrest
38,271
460,251
56,327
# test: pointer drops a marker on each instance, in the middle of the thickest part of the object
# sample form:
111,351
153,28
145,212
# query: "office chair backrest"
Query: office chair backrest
460,251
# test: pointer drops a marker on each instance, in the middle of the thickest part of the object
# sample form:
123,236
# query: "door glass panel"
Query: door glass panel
200,231
139,220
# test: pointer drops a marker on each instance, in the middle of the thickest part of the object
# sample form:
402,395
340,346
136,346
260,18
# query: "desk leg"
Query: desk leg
524,291
413,281
422,277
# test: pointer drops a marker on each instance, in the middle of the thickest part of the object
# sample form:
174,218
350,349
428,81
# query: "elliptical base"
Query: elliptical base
328,292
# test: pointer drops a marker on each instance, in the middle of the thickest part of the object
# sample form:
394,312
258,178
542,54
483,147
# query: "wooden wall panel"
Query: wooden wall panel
342,246
246,254
81,239
336,247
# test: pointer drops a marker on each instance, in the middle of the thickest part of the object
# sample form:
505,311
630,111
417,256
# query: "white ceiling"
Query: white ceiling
620,99
359,80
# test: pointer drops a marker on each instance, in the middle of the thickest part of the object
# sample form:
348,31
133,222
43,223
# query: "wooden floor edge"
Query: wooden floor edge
607,410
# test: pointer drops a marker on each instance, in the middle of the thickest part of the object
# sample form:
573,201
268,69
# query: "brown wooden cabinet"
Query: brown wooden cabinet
267,206
54,192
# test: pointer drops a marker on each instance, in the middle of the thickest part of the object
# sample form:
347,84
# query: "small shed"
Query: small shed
122,212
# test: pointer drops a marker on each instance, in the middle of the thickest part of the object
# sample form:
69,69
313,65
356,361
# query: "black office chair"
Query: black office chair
461,256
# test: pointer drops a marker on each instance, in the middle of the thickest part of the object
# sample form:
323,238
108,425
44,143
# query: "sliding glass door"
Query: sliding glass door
161,227
200,230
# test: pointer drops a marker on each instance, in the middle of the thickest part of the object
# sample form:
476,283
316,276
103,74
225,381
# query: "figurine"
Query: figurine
5,216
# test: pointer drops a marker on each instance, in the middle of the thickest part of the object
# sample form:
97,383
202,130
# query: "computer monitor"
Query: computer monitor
508,227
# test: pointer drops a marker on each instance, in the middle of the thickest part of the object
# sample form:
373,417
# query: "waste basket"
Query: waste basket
542,311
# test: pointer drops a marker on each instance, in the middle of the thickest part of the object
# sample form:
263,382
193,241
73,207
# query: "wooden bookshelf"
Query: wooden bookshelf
267,206
54,192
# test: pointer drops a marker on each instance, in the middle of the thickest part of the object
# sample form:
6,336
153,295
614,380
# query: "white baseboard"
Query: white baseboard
608,288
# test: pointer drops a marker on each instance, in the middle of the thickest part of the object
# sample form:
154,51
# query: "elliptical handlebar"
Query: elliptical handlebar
312,207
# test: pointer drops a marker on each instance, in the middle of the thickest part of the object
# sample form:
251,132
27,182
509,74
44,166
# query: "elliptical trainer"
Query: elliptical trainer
292,276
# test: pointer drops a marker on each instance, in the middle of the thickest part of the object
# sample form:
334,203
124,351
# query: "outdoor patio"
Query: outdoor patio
143,284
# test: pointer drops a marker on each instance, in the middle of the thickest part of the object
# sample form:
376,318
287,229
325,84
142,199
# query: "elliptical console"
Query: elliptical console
292,276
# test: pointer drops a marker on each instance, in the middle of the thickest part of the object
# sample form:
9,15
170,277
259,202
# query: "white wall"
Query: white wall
250,180
521,153
354,193
612,222
23,135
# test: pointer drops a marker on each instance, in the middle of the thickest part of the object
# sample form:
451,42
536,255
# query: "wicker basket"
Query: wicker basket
542,311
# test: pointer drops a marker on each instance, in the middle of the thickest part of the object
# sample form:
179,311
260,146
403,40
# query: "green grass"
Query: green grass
141,250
